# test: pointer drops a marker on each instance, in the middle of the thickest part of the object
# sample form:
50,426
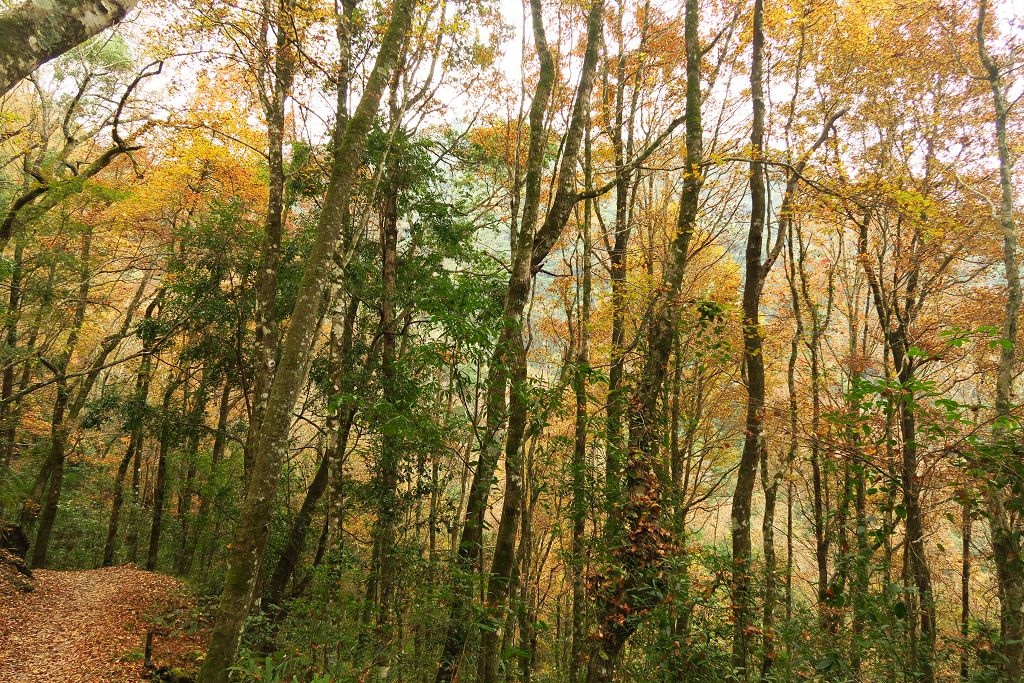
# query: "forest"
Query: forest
551,341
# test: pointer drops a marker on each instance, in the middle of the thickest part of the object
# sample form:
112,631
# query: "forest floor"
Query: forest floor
90,626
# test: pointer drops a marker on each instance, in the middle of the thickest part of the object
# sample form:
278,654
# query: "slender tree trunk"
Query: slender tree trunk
531,249
618,268
1005,527
55,464
131,537
250,537
216,456
508,346
625,597
753,362
821,534
8,412
274,102
789,558
578,464
59,427
385,530
916,562
822,537
115,508
522,579
469,549
859,587
160,487
794,433
289,559
143,378
196,427
965,590
770,485
504,546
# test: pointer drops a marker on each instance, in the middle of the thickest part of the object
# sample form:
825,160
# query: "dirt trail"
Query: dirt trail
80,626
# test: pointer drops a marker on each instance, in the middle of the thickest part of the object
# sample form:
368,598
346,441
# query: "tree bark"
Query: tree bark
578,464
753,362
59,426
8,412
531,250
250,537
266,334
469,549
770,485
196,428
143,377
897,343
965,589
625,597
216,456
384,533
160,487
289,559
115,508
1005,527
35,32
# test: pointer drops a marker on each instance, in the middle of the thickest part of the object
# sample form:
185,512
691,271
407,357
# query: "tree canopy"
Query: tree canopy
540,341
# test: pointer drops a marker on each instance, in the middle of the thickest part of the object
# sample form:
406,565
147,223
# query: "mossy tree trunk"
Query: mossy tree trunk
1005,525
36,31
641,547
250,536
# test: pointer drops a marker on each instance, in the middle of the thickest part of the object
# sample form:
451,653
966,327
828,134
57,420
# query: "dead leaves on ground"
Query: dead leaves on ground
89,626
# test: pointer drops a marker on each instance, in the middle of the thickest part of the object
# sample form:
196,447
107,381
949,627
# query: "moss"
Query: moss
33,33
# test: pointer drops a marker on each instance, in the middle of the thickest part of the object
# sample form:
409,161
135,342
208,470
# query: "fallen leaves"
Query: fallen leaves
82,626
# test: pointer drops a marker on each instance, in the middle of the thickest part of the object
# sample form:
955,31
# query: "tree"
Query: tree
33,33
1005,535
625,594
250,535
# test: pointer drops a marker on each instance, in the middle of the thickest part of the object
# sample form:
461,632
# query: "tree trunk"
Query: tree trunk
289,559
625,597
115,508
965,589
55,465
1005,528
196,427
250,537
34,32
917,561
499,583
531,249
266,287
135,422
59,427
770,485
8,412
508,345
753,362
216,456
578,464
384,533
160,487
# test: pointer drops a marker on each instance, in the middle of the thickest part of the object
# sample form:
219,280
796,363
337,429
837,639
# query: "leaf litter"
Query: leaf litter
90,626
